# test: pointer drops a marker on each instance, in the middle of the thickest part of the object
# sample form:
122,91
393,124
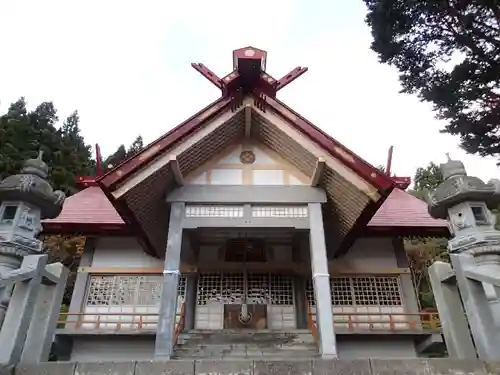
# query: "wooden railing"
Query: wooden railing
361,321
311,324
395,322
353,322
120,321
180,324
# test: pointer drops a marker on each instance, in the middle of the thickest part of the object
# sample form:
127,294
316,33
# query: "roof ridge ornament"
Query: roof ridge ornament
249,74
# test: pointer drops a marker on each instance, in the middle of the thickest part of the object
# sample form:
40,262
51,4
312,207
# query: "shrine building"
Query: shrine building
245,232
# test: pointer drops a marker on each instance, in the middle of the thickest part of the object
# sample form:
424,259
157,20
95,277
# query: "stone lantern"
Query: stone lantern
25,200
465,202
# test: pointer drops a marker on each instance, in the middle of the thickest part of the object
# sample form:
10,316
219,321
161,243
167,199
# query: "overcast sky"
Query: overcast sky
125,65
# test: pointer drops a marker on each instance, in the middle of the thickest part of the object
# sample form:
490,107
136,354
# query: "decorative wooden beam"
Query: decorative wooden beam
176,169
335,268
290,77
248,121
208,74
318,171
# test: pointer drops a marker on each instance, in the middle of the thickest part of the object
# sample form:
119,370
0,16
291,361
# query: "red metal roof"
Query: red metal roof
91,206
401,209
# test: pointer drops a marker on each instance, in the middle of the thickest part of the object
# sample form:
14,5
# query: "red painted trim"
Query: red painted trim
132,164
87,229
98,160
208,74
389,161
361,167
402,182
401,231
290,77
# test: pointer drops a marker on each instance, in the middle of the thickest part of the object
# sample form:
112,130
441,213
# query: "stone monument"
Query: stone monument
461,289
25,199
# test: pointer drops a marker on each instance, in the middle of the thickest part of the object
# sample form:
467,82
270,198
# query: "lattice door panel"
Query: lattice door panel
126,301
219,289
365,303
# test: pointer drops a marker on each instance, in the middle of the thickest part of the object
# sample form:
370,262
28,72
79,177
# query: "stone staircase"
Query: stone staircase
245,344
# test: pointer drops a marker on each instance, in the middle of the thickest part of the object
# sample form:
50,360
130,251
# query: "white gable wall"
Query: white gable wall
267,169
122,252
375,251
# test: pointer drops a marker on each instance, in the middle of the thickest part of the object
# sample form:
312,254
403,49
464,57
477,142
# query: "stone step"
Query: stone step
247,336
265,344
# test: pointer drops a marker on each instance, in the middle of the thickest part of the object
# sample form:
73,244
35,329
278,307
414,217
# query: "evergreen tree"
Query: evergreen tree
24,133
17,110
448,53
122,154
135,147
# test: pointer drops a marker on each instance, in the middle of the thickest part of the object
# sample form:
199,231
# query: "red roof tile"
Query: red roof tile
91,206
404,210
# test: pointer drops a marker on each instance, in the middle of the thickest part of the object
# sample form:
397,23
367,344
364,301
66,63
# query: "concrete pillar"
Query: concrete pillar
80,288
451,313
44,321
190,300
321,280
481,321
168,301
20,312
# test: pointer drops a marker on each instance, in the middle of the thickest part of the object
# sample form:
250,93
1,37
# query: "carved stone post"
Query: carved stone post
465,202
25,199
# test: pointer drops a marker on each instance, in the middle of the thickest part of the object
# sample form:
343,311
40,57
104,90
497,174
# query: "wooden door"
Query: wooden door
232,317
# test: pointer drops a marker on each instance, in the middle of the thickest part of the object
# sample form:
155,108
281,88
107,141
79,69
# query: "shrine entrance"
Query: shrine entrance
247,295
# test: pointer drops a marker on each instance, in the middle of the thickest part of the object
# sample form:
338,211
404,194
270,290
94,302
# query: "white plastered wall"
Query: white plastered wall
227,169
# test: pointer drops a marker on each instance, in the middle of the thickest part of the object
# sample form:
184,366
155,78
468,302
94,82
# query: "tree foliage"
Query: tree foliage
122,154
422,252
447,52
426,180
23,133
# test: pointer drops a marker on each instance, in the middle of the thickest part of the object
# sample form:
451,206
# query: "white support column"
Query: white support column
321,281
171,273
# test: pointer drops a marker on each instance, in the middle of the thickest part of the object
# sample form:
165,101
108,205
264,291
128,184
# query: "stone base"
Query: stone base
247,367
241,344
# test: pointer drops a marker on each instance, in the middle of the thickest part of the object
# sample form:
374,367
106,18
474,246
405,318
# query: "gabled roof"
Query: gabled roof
248,108
114,176
91,207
